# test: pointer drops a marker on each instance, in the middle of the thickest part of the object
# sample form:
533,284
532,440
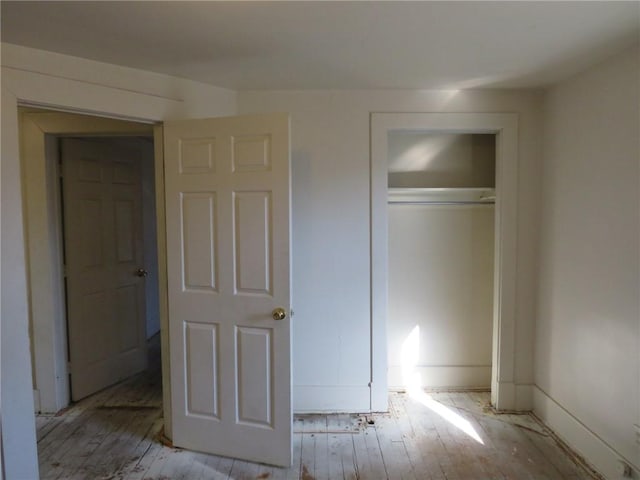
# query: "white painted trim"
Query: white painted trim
330,398
17,425
44,275
44,246
601,456
505,126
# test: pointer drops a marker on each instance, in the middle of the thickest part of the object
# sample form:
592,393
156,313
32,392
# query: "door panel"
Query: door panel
125,233
103,250
199,232
254,353
252,234
203,382
228,257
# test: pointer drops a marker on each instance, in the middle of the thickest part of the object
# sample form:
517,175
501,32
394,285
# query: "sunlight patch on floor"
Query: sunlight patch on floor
409,358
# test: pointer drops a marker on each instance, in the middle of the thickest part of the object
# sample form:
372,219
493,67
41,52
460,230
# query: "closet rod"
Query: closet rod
427,202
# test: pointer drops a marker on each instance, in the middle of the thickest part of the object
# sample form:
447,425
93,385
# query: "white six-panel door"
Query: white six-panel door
103,252
228,259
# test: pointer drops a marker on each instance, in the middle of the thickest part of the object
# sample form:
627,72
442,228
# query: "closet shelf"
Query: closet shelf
441,196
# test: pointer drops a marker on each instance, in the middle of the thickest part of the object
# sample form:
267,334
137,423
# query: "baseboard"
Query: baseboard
445,376
598,454
331,398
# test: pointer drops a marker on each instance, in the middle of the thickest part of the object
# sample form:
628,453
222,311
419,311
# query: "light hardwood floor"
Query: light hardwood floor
115,434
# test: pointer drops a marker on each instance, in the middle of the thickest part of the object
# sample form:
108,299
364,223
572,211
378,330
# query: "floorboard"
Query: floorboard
115,435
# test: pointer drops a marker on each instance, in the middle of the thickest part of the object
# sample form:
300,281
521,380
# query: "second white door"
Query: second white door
103,256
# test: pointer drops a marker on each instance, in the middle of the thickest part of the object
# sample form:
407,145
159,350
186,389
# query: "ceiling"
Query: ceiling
334,45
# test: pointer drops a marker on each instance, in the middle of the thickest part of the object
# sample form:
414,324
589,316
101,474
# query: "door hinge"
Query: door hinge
64,271
68,367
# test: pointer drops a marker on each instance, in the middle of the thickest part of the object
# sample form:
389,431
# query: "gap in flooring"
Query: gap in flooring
115,434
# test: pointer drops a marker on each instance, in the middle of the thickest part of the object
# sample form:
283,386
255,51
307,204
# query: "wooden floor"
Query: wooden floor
115,435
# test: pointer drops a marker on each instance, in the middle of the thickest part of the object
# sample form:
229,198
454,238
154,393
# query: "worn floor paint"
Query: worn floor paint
115,434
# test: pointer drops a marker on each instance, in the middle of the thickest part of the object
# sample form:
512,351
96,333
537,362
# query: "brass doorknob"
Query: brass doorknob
141,272
279,314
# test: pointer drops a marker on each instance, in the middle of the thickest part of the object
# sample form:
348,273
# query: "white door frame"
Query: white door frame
505,127
43,228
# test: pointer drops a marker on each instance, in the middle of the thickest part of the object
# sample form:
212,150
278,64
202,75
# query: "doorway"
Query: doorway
441,239
40,133
504,127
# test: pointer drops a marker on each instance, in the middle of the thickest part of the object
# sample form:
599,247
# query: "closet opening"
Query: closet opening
441,196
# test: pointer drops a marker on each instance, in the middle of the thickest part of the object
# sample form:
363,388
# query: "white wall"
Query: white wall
57,80
331,254
587,334
441,281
